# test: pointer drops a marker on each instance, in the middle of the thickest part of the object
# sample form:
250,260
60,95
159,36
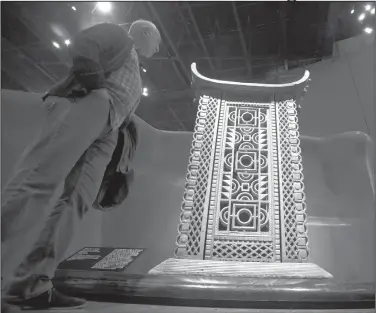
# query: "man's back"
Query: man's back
104,57
125,86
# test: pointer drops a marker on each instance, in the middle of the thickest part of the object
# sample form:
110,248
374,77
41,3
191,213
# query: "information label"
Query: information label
101,259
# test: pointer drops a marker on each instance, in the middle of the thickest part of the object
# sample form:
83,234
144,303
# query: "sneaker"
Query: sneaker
8,308
51,300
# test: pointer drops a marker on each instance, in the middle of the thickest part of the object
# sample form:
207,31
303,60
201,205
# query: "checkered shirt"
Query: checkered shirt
125,88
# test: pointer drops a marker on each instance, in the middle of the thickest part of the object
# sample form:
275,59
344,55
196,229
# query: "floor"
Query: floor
94,307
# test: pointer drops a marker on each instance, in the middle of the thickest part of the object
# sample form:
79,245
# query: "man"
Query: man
76,143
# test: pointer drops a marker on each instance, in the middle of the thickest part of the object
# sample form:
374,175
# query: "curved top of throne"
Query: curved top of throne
277,92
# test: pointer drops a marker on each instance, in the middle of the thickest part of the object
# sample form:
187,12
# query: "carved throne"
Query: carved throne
243,211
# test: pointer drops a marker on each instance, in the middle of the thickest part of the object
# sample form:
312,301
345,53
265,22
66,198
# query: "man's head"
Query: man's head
146,37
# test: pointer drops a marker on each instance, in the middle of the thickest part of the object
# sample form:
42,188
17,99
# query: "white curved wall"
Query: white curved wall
341,94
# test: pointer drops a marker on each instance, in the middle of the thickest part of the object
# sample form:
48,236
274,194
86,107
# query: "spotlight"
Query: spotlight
67,42
145,92
352,11
368,30
144,70
373,11
361,17
74,8
104,7
367,7
56,45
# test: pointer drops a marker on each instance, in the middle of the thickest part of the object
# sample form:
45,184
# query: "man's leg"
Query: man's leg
33,276
69,130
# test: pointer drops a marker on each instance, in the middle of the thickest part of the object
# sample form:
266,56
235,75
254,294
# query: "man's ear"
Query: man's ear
147,33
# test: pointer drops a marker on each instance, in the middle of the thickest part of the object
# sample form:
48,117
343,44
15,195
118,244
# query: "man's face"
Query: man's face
150,44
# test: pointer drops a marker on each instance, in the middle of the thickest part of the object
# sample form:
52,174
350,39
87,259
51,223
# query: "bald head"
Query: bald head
146,37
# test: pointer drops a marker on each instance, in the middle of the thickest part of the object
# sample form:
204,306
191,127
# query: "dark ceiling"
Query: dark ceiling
242,41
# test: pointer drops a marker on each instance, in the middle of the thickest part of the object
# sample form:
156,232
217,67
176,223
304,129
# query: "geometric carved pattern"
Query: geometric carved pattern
244,188
191,217
294,236
275,192
230,250
243,215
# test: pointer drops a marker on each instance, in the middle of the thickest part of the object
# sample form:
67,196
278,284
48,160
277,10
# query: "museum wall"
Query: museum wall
340,99
340,96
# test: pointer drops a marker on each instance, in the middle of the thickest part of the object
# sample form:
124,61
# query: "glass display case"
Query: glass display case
277,182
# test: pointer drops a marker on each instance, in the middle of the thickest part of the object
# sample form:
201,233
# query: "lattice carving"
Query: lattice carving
215,181
241,204
196,188
244,187
240,251
294,234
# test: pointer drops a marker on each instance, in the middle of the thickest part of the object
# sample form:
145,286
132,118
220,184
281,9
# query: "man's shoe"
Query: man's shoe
51,300
8,308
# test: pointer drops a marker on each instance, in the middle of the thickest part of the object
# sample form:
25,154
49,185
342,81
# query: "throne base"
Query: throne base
239,269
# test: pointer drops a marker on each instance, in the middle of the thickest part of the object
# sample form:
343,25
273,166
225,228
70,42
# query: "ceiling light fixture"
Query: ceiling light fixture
361,17
145,92
368,30
144,70
67,42
104,7
74,8
56,45
352,11
373,11
367,7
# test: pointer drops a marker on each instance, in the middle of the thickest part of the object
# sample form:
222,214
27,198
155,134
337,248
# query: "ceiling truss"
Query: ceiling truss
241,36
190,33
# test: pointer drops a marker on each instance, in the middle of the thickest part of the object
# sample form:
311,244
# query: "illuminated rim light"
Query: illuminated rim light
104,7
368,30
225,82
